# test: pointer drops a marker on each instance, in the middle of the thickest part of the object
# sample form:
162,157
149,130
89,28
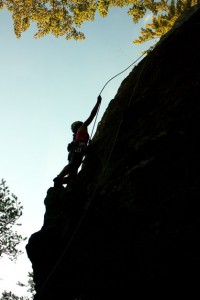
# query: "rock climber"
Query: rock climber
77,147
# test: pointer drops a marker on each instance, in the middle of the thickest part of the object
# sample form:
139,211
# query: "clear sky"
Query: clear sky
45,85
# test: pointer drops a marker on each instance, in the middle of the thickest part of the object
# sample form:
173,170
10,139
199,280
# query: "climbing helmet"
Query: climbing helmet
75,126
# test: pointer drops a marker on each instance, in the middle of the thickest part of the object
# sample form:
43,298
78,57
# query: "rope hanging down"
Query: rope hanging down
106,85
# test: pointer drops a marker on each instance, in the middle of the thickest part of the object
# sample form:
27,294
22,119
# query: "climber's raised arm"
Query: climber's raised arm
77,148
93,112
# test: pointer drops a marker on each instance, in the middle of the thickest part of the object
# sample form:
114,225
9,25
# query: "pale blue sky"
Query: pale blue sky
45,85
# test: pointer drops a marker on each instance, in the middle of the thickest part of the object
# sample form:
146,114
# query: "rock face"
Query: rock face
132,218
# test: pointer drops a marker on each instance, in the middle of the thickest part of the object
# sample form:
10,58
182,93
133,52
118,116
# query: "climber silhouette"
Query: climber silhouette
76,148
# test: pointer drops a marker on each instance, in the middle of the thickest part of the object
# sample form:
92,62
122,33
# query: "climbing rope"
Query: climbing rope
97,185
106,85
121,72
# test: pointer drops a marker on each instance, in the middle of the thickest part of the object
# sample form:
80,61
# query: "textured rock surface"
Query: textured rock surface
132,217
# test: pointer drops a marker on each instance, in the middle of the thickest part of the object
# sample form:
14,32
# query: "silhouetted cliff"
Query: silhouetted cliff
132,218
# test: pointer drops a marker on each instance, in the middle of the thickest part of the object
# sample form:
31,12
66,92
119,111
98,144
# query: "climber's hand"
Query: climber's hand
99,99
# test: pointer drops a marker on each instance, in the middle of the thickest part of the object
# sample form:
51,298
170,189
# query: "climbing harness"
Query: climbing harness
98,183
